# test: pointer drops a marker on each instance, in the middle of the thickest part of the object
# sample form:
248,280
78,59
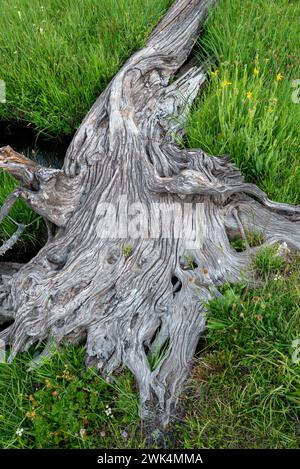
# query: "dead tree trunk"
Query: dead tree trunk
132,298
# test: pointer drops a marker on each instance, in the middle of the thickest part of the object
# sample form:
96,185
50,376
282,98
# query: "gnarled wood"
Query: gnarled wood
130,298
47,191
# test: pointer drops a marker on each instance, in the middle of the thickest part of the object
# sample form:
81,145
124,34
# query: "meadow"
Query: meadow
250,107
244,391
56,57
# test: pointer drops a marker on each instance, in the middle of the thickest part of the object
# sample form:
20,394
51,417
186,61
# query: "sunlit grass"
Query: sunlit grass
57,56
246,109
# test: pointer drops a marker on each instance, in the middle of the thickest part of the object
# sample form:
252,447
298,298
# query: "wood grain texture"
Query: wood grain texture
81,286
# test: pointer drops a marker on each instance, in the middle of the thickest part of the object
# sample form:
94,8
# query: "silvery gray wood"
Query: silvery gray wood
81,287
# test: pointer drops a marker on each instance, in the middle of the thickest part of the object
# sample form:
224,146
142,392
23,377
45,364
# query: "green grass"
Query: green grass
246,109
61,405
33,235
244,391
56,57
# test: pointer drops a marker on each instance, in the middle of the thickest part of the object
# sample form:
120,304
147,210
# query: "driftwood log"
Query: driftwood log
136,298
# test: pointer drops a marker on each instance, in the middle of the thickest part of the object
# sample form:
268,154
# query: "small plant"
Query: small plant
189,262
127,250
238,244
253,239
156,358
267,260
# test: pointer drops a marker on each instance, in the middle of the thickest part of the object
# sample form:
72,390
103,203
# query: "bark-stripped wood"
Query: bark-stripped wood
81,286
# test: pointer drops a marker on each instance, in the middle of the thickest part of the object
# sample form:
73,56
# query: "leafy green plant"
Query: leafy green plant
156,358
253,239
268,260
127,250
189,262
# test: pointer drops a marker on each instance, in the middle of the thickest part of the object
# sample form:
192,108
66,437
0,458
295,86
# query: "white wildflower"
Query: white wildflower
108,411
20,431
283,250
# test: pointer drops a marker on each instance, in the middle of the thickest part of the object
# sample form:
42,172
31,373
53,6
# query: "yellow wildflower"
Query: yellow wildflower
249,94
256,71
214,73
279,77
226,83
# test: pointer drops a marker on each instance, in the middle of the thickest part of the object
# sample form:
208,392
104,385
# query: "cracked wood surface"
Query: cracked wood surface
81,286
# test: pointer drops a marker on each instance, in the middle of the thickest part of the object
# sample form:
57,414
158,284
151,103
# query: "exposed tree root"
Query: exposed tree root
133,298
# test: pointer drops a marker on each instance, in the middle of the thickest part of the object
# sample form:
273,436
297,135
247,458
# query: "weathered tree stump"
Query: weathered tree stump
132,298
